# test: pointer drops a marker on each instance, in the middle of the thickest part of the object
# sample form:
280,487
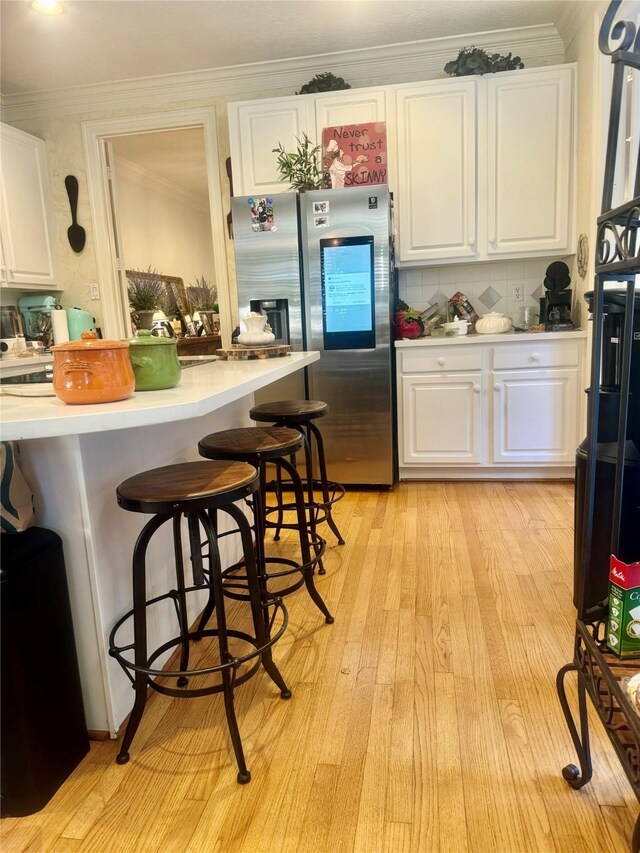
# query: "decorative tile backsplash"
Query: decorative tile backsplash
488,286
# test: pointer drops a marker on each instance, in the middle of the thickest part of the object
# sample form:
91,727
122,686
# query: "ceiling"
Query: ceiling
99,41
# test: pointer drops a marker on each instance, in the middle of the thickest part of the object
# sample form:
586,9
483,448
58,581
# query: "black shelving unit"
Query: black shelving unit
600,672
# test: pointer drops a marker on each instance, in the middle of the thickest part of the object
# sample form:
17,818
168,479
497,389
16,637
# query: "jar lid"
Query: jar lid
90,341
145,338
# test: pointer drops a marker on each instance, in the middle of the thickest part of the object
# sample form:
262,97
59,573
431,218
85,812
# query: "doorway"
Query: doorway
134,167
160,205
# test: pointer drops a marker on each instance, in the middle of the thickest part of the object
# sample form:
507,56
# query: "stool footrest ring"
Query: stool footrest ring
128,666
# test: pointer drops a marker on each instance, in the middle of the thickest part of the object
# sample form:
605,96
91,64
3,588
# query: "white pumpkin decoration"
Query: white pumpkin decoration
493,324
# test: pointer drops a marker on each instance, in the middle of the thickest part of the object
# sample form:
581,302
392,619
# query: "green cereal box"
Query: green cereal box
623,624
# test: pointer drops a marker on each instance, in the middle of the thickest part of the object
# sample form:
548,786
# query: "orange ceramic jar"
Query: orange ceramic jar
92,370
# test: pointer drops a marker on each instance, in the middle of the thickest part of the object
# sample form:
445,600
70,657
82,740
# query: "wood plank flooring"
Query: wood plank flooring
425,719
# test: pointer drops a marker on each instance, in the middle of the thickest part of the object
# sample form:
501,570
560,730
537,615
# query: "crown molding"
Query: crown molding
578,15
137,174
393,63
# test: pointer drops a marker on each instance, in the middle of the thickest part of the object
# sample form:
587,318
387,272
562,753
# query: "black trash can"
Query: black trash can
42,725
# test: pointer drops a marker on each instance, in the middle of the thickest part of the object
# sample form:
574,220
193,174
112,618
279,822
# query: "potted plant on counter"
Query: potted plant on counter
147,294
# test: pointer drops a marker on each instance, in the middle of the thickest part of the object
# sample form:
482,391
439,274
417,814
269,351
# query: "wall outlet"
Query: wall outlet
517,293
94,291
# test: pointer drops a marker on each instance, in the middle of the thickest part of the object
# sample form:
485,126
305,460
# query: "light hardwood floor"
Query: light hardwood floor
425,719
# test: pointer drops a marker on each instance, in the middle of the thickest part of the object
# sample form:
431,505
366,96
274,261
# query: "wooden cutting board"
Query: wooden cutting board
239,353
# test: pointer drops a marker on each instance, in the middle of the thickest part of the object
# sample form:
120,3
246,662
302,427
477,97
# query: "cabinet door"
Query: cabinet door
442,418
529,157
436,151
28,223
351,106
535,415
255,129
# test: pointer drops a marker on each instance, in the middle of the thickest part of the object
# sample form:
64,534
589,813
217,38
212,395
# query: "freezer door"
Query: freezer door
267,257
266,246
357,383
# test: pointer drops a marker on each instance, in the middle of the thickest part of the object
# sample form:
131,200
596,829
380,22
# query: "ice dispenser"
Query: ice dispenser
277,313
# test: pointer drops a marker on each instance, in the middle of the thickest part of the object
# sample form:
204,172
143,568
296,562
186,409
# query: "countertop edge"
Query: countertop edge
115,416
506,337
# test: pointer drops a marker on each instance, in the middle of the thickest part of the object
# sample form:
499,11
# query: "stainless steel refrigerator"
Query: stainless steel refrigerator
320,266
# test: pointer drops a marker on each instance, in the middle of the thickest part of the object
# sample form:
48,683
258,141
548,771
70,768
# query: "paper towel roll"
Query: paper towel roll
59,326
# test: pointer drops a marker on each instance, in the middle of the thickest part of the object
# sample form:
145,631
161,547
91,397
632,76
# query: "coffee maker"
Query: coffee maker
555,306
596,588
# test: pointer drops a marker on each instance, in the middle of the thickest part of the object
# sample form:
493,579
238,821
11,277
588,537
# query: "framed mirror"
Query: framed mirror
151,291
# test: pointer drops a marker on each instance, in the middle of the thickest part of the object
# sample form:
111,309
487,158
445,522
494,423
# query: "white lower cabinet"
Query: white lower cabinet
443,418
504,407
535,415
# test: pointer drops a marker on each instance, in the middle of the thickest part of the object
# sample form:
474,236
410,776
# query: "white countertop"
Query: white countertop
29,364
202,390
520,337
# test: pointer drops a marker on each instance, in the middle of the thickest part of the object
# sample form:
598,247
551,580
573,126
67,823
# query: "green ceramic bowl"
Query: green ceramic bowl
154,361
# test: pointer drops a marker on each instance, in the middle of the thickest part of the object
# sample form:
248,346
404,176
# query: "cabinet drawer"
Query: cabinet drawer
536,354
441,360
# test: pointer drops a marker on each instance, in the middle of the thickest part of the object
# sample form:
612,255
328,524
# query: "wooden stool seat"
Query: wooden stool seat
284,410
194,485
251,444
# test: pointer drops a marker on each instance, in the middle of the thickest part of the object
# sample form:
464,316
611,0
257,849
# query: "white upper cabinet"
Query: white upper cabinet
349,106
255,129
29,247
486,166
529,162
481,167
436,161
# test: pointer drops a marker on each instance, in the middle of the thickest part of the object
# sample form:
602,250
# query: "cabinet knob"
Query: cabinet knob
535,356
492,239
440,361
476,388
497,386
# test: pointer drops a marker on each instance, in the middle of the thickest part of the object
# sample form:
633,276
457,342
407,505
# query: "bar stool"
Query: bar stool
299,415
257,446
195,491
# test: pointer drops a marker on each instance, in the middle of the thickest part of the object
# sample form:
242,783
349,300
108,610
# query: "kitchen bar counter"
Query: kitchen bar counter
74,457
202,389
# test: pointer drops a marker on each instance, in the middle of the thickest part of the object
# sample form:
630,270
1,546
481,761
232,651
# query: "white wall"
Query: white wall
161,228
581,44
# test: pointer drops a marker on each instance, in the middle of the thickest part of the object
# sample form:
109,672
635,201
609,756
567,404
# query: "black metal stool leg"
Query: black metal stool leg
575,777
323,480
209,607
254,589
244,775
280,518
181,602
308,462
304,542
139,633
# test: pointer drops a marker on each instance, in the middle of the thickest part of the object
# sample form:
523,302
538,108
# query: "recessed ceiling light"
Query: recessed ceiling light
48,7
